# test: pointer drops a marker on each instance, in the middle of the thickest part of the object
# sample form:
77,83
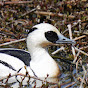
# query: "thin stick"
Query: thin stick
77,38
85,72
70,85
83,47
28,12
77,65
54,14
83,66
70,34
81,51
15,2
20,74
8,43
74,24
79,25
76,57
79,79
62,48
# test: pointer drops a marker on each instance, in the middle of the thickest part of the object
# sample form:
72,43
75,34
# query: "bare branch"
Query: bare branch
70,34
54,14
15,2
77,38
81,51
62,48
8,43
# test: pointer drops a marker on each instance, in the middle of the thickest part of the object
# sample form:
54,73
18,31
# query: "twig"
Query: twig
77,64
28,12
54,14
20,74
65,83
76,57
85,72
79,79
8,43
65,31
83,66
83,47
77,38
15,2
62,48
74,24
7,40
79,25
70,34
81,51
70,85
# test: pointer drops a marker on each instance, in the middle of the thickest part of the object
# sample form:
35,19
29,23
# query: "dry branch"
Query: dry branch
8,43
83,47
74,24
76,57
7,40
70,85
15,2
70,34
28,12
85,73
54,14
81,51
62,48
77,38
20,74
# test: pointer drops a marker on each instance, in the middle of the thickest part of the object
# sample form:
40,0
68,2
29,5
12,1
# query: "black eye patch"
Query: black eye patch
51,36
32,29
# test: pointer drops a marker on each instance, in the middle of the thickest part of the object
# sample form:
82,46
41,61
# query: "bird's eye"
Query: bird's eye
50,33
51,36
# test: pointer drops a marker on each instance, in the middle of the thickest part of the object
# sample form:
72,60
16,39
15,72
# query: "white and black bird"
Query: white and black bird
39,63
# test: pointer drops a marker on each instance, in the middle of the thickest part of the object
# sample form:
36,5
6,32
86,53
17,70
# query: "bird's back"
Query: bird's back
18,53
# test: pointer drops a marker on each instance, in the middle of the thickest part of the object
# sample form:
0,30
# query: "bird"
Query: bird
37,60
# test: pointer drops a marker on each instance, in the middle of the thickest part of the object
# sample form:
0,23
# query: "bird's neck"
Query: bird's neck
42,63
38,53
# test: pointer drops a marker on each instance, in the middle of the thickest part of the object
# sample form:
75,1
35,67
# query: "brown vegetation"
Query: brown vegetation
71,19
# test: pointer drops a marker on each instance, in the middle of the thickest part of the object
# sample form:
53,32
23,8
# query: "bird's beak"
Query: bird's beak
64,40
